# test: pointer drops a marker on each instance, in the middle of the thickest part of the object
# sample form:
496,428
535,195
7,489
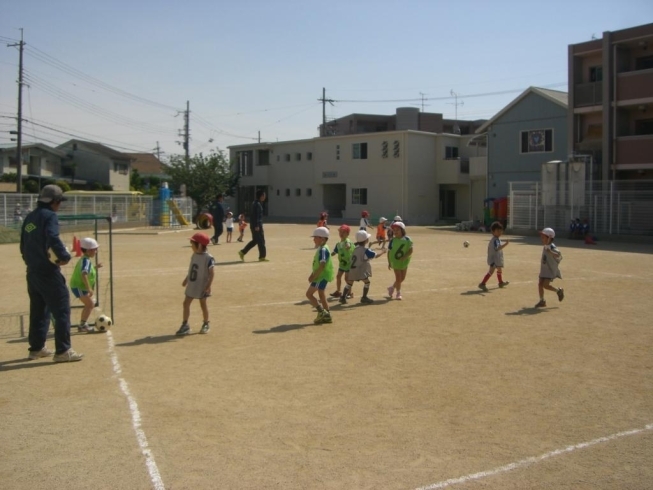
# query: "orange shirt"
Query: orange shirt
322,222
242,225
380,231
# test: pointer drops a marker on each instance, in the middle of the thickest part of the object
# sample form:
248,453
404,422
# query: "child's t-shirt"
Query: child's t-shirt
397,248
361,268
380,231
323,255
549,265
344,249
83,266
494,255
198,274
242,225
229,222
364,224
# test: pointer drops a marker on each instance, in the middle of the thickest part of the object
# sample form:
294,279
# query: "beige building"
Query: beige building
422,176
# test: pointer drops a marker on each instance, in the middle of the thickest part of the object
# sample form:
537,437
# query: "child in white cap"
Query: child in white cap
360,268
549,269
82,281
321,275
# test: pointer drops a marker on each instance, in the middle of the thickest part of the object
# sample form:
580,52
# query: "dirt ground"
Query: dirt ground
449,388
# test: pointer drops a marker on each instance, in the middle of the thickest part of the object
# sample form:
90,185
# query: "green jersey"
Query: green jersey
397,249
344,249
85,265
323,254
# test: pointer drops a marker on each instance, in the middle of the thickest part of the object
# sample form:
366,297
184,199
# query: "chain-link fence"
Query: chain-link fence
605,207
131,209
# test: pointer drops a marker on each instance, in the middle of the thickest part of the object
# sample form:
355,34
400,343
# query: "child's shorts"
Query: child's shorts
79,292
230,230
320,285
380,238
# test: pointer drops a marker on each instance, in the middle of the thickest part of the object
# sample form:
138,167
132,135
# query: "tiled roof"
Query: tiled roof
146,163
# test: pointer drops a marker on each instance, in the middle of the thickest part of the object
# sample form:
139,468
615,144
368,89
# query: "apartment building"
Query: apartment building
610,116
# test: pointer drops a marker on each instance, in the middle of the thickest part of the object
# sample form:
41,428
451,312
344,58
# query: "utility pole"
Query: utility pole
158,151
187,130
422,95
259,136
19,128
324,100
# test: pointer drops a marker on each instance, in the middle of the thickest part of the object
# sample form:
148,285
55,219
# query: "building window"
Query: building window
287,192
450,152
537,141
337,152
384,149
309,156
359,196
287,156
121,168
596,73
309,192
359,151
264,157
298,192
298,157
643,126
644,63
245,163
395,149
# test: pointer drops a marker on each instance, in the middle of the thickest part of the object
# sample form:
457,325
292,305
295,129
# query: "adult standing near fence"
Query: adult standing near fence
46,285
217,212
256,225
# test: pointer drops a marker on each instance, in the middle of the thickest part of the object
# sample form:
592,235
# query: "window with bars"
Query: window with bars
359,196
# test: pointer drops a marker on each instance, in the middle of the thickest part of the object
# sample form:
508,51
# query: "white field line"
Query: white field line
153,470
534,459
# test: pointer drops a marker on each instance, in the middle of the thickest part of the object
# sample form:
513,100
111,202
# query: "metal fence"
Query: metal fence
608,207
136,210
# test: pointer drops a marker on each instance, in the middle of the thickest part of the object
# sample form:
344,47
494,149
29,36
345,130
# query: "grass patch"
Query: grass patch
9,235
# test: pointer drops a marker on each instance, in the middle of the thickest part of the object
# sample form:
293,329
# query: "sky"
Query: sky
121,72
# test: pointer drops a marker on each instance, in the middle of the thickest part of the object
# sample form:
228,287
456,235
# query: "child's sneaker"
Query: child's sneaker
503,284
326,317
242,256
482,287
367,301
398,296
82,328
343,300
263,259
183,330
561,294
350,295
319,317
391,291
541,304
337,294
205,328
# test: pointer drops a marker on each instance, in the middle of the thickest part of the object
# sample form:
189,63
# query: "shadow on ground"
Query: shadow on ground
160,339
284,328
529,310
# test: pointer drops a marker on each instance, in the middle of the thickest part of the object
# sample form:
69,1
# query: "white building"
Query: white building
424,177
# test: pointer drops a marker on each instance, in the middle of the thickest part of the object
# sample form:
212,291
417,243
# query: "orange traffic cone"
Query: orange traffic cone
77,247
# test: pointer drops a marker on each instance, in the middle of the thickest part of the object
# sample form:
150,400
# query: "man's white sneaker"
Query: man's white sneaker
38,354
68,356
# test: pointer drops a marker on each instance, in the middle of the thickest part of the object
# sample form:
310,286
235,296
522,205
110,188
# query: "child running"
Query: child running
549,269
361,269
229,224
322,275
495,256
242,224
322,222
365,222
198,282
380,232
400,250
344,249
82,281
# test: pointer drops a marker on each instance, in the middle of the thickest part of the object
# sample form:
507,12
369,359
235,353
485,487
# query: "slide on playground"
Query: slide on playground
177,212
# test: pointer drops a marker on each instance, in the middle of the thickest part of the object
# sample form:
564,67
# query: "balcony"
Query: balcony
477,168
634,150
588,94
635,85
453,171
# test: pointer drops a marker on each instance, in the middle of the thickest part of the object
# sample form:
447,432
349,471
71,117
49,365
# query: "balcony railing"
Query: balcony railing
634,85
587,94
635,150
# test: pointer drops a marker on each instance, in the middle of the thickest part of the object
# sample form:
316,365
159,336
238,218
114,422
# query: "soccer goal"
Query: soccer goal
72,228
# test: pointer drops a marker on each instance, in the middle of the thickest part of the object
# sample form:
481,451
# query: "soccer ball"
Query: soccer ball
103,323
465,244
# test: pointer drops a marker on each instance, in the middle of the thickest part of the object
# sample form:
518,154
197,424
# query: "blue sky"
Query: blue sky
250,65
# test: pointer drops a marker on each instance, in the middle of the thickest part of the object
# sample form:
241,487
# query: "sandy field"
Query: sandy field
449,388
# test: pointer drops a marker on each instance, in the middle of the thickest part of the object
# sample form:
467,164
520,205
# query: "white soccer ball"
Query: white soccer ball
465,244
103,323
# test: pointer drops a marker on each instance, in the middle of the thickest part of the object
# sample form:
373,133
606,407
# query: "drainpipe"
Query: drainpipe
614,111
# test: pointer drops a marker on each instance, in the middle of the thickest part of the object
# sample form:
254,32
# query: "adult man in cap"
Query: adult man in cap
46,286
217,212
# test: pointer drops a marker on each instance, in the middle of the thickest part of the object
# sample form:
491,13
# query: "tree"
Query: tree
204,176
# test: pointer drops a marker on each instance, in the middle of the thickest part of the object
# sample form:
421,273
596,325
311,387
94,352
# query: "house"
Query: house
610,115
94,162
422,176
39,161
528,132
147,165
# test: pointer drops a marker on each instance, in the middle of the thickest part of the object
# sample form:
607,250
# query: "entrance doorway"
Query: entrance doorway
335,199
447,203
